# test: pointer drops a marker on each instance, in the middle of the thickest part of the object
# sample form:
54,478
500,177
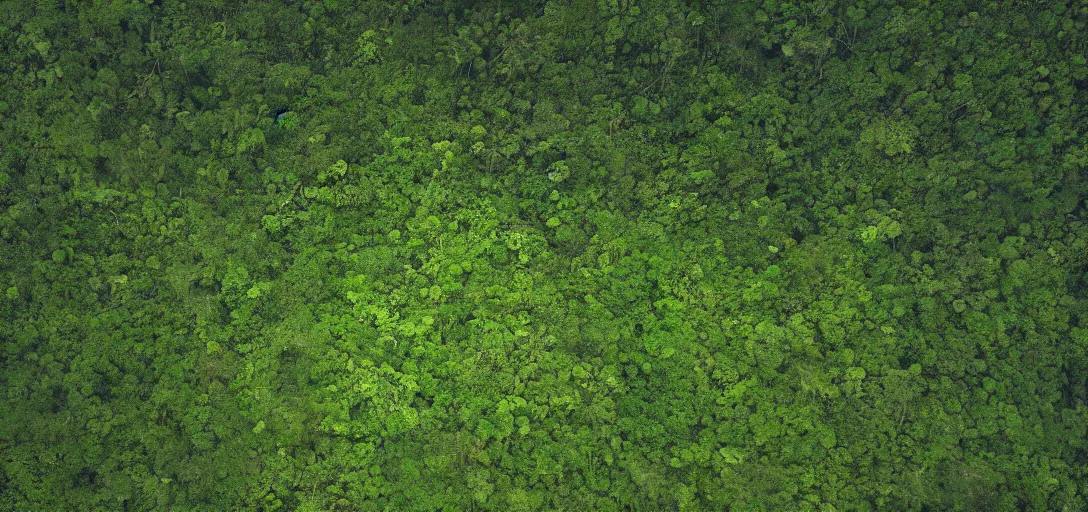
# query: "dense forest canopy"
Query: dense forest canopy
543,255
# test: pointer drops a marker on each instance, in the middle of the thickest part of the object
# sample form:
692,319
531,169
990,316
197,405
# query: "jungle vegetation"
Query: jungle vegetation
581,255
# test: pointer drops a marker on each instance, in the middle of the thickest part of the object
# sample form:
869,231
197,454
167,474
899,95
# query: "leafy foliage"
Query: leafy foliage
551,255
